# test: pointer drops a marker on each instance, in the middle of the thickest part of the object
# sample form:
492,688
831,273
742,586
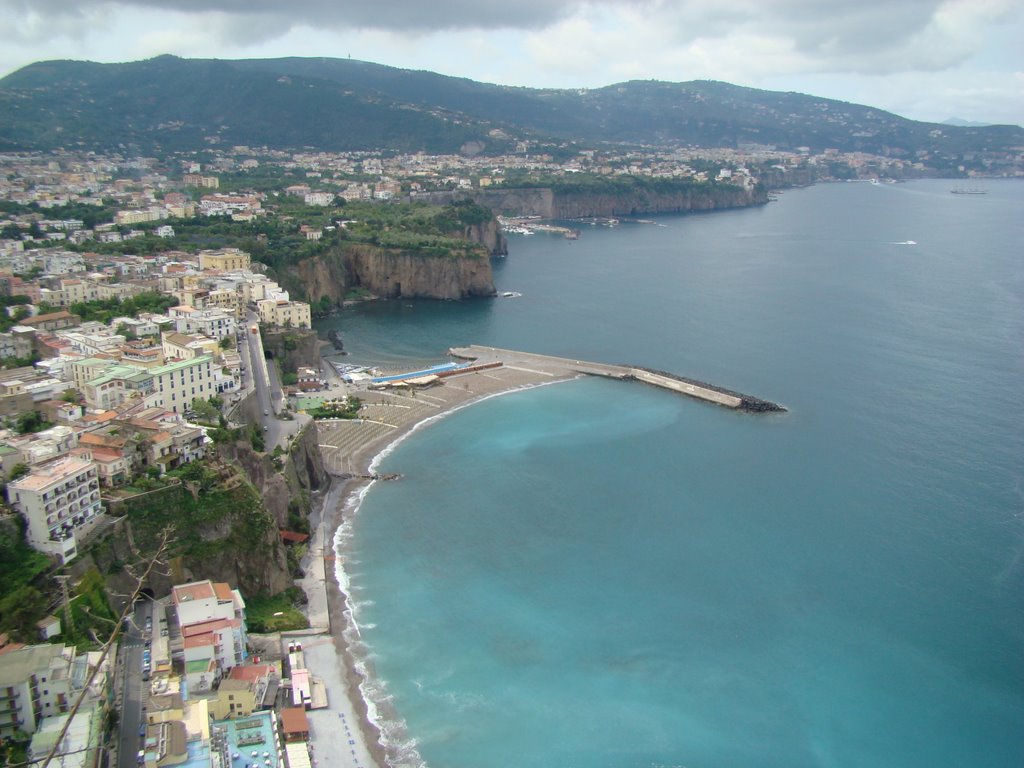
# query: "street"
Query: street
131,690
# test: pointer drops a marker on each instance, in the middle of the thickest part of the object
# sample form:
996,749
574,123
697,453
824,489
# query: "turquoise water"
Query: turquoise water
602,574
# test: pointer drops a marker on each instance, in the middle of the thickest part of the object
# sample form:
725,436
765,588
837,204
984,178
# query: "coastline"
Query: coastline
359,446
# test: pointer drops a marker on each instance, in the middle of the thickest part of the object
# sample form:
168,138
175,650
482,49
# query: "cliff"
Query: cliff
221,530
489,235
225,515
399,274
394,274
555,203
283,485
293,347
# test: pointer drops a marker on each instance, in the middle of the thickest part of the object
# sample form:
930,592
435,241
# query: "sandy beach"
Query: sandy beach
345,731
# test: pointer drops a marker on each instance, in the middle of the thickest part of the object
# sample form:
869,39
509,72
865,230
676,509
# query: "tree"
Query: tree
205,410
32,421
18,470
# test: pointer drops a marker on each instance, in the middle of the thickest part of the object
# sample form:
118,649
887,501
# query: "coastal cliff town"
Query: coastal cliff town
132,344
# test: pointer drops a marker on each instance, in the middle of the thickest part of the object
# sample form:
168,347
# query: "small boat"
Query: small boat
968,191
511,294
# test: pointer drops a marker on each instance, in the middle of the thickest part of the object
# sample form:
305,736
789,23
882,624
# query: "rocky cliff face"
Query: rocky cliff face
582,205
394,275
489,235
293,347
549,204
286,488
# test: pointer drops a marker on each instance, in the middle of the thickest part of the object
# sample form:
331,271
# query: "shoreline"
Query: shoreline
362,445
352,449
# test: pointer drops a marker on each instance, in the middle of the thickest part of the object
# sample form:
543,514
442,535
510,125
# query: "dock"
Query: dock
550,365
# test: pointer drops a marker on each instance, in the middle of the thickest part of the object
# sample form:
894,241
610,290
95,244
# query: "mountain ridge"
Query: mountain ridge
170,103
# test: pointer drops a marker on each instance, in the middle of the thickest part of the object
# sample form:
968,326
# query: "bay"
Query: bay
598,573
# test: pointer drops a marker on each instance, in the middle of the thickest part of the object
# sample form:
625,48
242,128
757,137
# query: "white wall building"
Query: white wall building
60,501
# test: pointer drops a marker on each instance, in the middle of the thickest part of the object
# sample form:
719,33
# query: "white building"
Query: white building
215,323
60,501
211,616
178,383
42,681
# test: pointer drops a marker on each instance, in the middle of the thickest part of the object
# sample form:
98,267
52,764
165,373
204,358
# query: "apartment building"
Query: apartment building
178,383
35,682
211,618
287,314
224,260
60,501
215,323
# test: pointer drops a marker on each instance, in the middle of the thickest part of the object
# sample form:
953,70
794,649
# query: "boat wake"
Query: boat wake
904,242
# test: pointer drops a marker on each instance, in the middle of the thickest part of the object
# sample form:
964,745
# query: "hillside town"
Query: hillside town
116,396
186,685
118,364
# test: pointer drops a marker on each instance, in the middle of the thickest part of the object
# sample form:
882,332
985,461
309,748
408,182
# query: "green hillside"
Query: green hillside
169,103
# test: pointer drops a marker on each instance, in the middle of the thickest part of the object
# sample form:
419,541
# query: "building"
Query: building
178,383
244,690
211,619
53,321
215,323
286,314
182,346
224,260
200,181
42,681
60,501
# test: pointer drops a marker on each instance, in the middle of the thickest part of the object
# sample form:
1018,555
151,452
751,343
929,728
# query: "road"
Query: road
129,742
269,395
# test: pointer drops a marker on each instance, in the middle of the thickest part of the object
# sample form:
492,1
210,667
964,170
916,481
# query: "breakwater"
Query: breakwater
689,387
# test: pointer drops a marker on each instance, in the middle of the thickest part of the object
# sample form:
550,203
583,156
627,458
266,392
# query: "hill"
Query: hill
340,104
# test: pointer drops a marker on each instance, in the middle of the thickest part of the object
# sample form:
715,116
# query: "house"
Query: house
52,321
211,621
294,724
244,690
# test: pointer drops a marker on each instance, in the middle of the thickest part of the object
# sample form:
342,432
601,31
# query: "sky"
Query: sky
922,59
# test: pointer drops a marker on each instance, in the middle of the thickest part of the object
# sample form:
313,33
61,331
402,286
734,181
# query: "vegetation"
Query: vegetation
105,310
93,620
338,409
261,612
23,572
31,421
168,104
214,511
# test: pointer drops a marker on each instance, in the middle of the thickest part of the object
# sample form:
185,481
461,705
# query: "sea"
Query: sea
600,574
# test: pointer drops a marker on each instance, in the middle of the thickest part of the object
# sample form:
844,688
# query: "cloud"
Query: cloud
419,16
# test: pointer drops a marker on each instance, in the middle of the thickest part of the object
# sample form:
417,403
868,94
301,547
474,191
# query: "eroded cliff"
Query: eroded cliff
393,274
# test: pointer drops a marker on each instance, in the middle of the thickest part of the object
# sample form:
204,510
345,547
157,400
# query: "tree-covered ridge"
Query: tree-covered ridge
338,104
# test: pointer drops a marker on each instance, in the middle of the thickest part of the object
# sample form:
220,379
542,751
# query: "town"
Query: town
128,352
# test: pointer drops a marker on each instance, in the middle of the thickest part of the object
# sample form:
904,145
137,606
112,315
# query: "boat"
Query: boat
968,191
511,294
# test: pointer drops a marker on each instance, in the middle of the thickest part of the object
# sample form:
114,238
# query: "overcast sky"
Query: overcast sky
923,59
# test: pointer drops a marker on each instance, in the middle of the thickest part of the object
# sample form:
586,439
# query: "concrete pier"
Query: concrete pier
555,366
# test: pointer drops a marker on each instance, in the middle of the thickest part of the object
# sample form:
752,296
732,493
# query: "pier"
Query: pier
554,366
